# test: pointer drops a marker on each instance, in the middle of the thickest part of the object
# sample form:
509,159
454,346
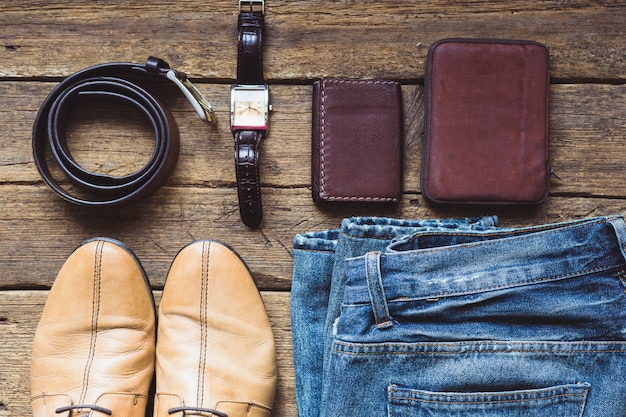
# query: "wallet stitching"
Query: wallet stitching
322,193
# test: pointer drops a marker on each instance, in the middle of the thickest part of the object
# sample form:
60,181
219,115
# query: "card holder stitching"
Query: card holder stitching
322,192
323,139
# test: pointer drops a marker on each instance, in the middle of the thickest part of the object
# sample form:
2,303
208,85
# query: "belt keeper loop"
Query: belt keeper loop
377,292
156,65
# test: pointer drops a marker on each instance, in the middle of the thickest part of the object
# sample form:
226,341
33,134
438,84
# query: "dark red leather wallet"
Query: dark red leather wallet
357,141
486,122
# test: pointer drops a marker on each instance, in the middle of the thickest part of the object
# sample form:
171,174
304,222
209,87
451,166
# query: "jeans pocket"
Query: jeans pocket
563,400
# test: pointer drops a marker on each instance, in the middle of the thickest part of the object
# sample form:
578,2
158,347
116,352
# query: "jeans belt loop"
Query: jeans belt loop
377,292
620,232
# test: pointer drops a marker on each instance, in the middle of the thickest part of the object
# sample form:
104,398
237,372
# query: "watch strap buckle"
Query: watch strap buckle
252,5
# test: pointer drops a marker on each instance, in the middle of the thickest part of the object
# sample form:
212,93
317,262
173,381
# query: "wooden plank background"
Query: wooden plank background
44,41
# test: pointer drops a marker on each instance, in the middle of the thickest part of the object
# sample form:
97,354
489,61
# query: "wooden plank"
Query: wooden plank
305,39
19,315
39,231
585,133
587,137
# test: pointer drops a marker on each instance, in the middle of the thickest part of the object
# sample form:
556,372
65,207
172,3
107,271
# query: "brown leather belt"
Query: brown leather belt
110,81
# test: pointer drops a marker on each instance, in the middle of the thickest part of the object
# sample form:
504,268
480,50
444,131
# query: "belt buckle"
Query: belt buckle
201,105
252,4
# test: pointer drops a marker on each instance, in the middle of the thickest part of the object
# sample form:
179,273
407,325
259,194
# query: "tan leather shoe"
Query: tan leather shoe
93,352
215,348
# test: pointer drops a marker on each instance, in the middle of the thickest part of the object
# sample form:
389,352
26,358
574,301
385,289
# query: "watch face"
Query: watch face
249,107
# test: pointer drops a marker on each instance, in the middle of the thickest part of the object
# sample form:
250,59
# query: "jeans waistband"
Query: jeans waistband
384,228
440,264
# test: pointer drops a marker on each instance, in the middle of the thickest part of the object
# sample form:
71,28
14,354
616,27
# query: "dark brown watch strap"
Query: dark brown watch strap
250,39
247,142
247,171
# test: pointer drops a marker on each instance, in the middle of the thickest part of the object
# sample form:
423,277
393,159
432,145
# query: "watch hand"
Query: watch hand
243,109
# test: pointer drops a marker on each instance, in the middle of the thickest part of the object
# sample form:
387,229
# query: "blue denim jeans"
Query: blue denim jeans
460,317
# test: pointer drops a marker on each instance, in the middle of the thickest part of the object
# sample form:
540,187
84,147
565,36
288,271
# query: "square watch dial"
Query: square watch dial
249,107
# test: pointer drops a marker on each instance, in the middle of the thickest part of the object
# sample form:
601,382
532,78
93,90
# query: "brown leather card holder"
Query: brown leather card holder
356,141
486,122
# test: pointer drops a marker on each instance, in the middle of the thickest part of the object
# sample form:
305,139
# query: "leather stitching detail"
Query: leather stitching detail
95,313
204,295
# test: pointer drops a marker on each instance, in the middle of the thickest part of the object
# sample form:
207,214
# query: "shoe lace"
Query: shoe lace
196,411
84,407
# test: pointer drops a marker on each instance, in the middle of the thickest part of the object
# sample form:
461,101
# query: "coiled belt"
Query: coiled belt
110,81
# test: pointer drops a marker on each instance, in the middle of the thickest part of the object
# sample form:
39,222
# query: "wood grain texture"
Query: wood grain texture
305,39
43,41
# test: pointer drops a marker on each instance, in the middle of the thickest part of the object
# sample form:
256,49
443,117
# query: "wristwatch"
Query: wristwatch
249,109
